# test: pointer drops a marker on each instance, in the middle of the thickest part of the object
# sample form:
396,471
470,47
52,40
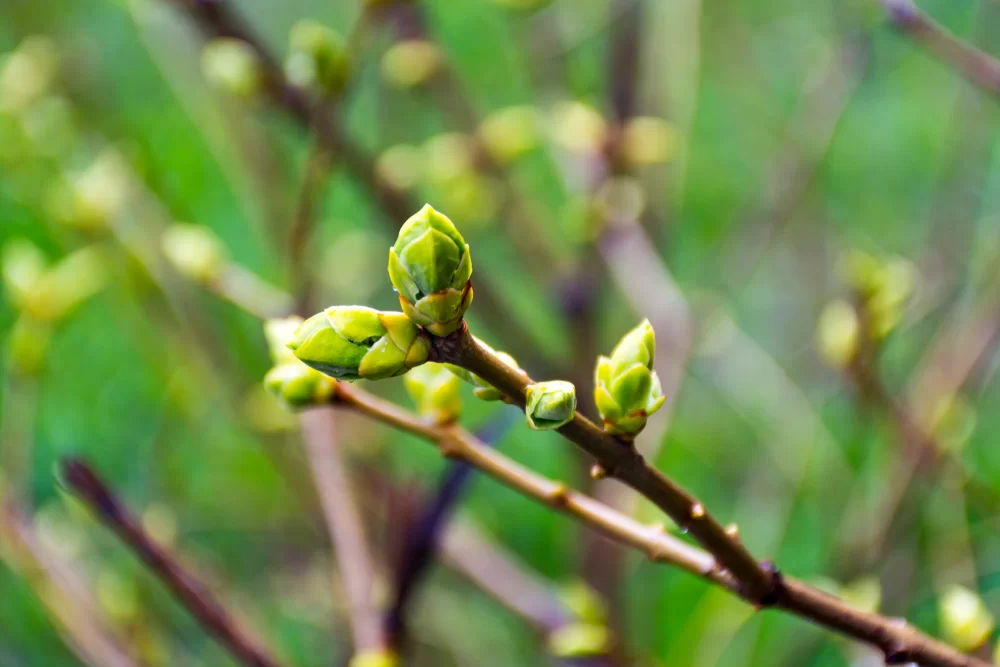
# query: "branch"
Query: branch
195,597
973,64
759,584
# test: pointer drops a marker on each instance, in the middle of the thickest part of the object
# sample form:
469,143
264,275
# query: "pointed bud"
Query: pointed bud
195,251
375,658
509,133
965,621
353,342
317,57
837,333
411,62
550,404
436,391
626,389
484,391
291,380
580,640
430,266
232,65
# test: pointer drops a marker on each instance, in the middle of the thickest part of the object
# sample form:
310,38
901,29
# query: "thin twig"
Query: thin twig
194,596
344,524
973,64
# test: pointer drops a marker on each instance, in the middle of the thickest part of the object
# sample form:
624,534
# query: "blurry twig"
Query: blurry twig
197,599
973,64
344,525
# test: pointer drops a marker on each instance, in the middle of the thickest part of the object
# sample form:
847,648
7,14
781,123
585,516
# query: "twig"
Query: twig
344,524
973,64
195,597
755,582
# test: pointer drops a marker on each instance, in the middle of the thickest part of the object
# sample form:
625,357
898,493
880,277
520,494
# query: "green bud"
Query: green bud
375,658
317,57
580,640
626,388
195,251
648,140
27,345
448,156
509,133
93,198
550,404
410,63
585,603
232,65
577,127
28,73
965,621
864,594
436,391
68,283
353,342
837,333
298,385
430,266
22,266
278,331
399,167
483,390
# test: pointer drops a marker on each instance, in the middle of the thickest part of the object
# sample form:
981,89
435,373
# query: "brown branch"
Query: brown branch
194,596
757,583
344,524
978,67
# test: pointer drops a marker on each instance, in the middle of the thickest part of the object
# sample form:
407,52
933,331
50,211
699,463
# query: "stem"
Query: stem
194,596
973,64
344,523
760,585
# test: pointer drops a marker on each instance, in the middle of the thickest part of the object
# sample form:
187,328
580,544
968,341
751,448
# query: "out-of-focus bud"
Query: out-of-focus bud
577,127
160,523
50,125
359,256
861,271
399,167
28,72
430,266
317,57
67,284
483,390
27,344
292,381
410,63
626,388
92,199
22,267
470,197
585,603
375,658
896,282
509,133
647,140
117,595
838,333
952,422
353,342
436,392
550,405
580,640
195,251
620,200
448,156
965,621
864,594
265,412
232,65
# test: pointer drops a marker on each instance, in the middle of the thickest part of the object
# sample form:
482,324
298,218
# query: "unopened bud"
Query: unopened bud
399,167
577,127
436,392
195,251
317,57
22,265
550,405
965,621
838,333
580,640
67,284
626,388
647,140
509,133
28,72
232,65
410,63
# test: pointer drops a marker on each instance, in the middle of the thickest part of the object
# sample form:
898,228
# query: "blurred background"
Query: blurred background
800,197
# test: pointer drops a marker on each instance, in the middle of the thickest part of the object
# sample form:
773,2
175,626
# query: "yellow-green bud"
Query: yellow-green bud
550,405
27,345
353,342
399,167
580,640
317,56
509,133
195,251
118,595
375,658
483,390
279,331
92,199
291,380
232,65
447,157
578,127
585,603
410,63
647,140
436,392
28,72
68,283
897,280
430,266
22,266
626,388
470,196
965,621
620,200
837,333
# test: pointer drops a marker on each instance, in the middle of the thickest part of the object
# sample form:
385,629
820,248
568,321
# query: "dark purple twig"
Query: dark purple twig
193,595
